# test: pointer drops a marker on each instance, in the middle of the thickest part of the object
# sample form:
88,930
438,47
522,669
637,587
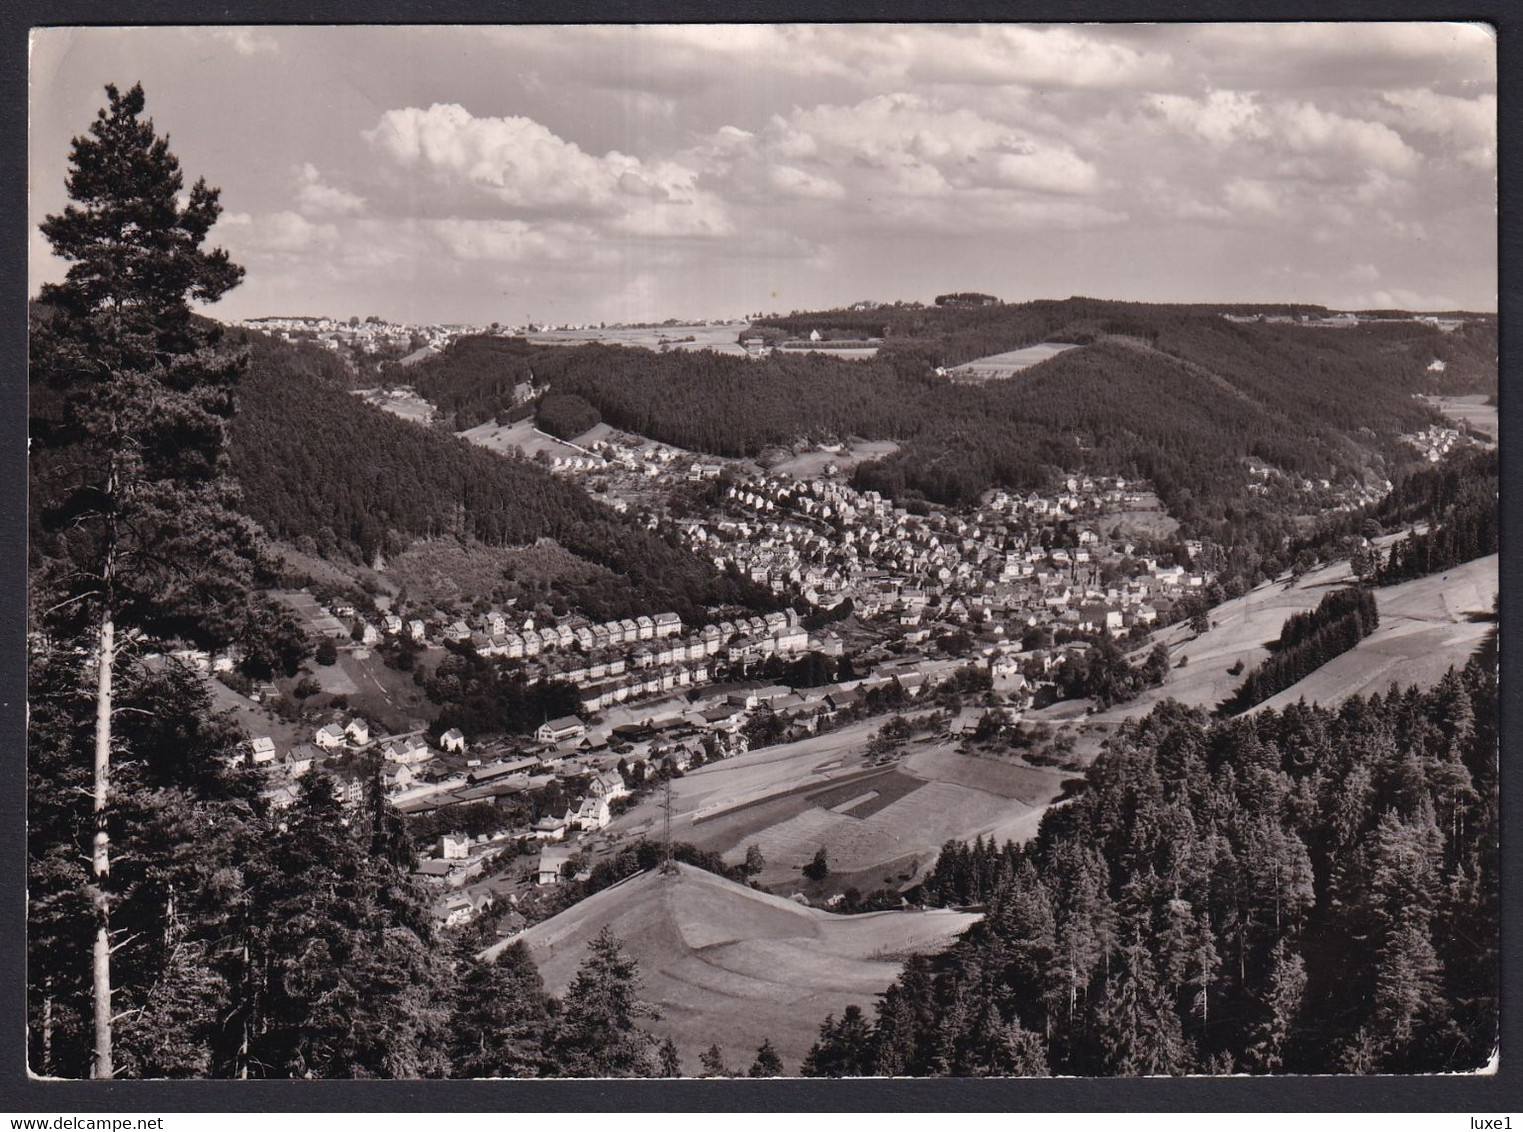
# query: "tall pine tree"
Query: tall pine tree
130,401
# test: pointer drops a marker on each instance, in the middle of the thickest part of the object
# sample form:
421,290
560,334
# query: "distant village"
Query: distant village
1011,589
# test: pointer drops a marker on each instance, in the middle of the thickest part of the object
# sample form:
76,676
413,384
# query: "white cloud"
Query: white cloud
283,234
687,57
1244,194
792,181
1469,124
1305,128
247,40
1221,118
1300,133
1023,55
519,163
917,146
313,197
1399,298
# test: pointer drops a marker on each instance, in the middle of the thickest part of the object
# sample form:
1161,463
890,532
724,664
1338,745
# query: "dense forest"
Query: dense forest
1306,891
321,468
1465,524
1307,641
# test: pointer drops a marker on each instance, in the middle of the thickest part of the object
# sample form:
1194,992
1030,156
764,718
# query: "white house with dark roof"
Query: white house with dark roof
560,730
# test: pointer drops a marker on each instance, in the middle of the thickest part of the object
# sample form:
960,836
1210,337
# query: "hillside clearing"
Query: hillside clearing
518,437
998,366
730,965
1425,626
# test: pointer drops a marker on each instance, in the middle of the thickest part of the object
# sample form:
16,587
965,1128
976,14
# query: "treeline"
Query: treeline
566,415
1429,494
1463,502
1306,891
1307,641
318,466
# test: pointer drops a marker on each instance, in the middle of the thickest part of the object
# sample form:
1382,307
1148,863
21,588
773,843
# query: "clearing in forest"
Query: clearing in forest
730,965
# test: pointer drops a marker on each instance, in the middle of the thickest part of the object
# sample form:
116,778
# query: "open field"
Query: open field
879,825
1471,410
729,965
723,338
1007,364
254,719
521,435
385,695
849,353
1427,626
314,619
402,403
1146,520
808,465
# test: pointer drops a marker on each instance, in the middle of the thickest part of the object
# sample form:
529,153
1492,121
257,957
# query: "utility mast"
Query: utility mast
666,828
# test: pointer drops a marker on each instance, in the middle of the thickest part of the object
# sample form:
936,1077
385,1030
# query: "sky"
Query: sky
623,173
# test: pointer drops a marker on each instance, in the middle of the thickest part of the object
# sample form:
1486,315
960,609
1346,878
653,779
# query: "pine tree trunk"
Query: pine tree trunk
101,855
47,1032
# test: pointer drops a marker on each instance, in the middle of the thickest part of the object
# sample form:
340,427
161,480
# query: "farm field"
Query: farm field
997,366
402,403
384,695
521,435
723,338
879,825
254,719
850,353
808,465
730,965
1146,520
1471,410
313,617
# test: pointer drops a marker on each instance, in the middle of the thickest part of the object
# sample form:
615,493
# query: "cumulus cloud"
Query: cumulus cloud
1468,124
315,198
1222,117
523,165
795,182
285,233
899,153
1290,129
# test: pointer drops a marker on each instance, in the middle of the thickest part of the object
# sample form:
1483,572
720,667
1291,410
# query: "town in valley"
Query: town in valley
462,645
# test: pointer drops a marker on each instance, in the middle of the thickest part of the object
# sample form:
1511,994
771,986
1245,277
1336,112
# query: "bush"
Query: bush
327,652
819,868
